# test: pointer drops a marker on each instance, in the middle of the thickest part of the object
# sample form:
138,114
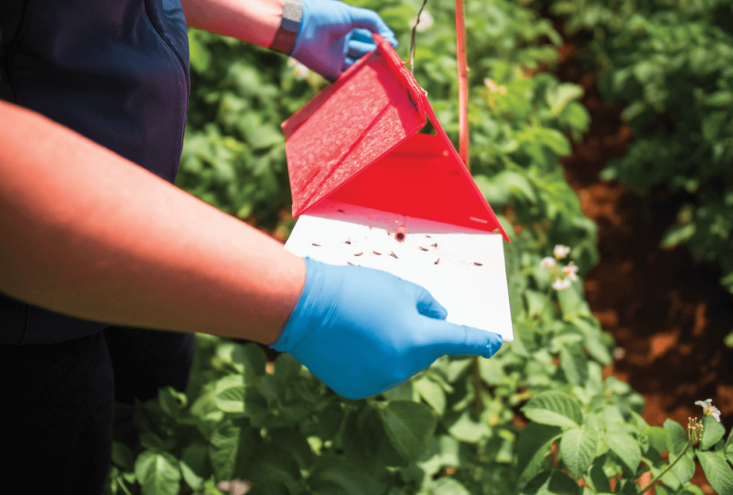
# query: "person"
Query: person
106,269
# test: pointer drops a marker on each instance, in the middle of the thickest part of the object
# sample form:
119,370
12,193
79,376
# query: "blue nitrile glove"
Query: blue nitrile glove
363,331
334,35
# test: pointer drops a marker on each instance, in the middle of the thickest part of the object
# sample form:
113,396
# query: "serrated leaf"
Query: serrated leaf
409,427
717,471
712,432
574,364
158,473
554,408
626,448
578,449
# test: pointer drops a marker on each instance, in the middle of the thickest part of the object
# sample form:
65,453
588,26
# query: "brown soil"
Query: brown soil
668,313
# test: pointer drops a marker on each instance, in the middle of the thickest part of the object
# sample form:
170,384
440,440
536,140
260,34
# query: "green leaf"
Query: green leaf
591,330
554,408
559,96
231,445
447,486
625,447
443,451
677,234
676,441
432,393
657,437
286,368
598,478
467,430
532,448
573,363
158,473
712,432
552,483
717,471
172,401
229,396
336,475
195,466
122,456
409,426
252,357
578,449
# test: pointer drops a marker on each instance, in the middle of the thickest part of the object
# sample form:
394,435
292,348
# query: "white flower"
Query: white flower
561,251
571,271
547,262
561,284
491,84
426,21
708,409
300,70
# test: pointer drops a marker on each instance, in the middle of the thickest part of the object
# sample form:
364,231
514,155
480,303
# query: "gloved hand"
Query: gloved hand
334,35
364,331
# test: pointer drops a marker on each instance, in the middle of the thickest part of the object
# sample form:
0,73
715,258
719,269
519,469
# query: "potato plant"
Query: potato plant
670,64
541,416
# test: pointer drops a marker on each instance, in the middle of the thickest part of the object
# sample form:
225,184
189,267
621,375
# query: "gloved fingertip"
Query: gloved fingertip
428,306
493,346
348,62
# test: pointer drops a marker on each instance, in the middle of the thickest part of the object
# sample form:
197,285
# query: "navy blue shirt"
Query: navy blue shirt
115,71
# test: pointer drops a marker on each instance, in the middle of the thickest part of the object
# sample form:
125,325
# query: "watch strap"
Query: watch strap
289,29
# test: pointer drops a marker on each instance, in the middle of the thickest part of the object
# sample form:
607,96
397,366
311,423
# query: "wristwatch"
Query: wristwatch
289,29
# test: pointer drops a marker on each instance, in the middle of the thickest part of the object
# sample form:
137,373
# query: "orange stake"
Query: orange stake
462,83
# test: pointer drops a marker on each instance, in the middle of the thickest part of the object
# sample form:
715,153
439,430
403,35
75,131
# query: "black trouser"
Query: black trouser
57,402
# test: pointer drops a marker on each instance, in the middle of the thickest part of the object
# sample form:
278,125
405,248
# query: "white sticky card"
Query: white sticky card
464,272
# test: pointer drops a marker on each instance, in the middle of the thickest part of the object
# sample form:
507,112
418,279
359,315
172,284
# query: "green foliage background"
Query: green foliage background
536,418
670,64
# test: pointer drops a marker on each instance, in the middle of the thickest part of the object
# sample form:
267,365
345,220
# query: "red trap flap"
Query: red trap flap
354,148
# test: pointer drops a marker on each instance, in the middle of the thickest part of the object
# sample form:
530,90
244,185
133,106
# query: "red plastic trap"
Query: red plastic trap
354,149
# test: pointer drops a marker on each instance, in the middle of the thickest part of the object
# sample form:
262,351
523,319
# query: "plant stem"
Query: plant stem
656,478
547,301
477,385
462,83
